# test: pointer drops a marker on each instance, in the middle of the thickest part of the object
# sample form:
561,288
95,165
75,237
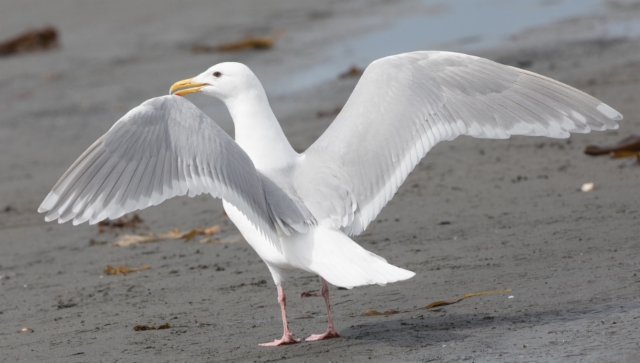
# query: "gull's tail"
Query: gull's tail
339,260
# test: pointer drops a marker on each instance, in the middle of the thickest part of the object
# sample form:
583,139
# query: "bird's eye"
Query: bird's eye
217,74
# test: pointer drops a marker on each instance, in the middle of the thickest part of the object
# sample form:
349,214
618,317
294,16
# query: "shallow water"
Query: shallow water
461,25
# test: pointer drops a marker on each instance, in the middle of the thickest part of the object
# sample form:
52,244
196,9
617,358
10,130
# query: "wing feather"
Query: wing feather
163,148
405,104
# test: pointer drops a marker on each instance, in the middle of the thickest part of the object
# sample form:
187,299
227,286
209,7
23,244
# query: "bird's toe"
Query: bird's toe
326,335
289,339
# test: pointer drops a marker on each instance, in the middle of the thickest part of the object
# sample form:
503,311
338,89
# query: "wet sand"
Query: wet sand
516,217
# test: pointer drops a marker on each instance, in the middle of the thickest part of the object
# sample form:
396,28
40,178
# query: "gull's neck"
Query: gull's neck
257,130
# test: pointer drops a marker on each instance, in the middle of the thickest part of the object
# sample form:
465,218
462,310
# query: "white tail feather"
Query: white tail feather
339,260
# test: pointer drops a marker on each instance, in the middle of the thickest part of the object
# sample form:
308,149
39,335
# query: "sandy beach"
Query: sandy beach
474,215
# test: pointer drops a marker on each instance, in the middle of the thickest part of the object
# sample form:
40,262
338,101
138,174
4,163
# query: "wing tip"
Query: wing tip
48,203
608,111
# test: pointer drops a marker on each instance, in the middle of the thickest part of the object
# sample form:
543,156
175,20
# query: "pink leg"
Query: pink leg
287,337
331,330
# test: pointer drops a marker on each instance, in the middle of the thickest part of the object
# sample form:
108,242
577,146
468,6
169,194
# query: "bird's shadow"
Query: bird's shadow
429,329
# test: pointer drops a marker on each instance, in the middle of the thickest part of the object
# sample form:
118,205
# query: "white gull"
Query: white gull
297,210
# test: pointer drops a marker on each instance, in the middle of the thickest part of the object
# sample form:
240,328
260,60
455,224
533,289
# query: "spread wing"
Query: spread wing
161,149
405,104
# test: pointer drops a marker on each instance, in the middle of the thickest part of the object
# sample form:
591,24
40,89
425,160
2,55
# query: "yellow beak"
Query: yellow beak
186,87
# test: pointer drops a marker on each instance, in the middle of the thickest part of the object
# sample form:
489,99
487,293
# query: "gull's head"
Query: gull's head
223,81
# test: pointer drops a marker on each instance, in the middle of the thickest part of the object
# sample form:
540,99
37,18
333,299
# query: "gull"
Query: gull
298,210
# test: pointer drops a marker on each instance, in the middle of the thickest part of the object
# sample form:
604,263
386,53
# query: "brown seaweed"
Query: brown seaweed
386,312
329,113
456,299
627,147
434,304
134,239
30,41
150,327
252,42
353,71
132,222
122,270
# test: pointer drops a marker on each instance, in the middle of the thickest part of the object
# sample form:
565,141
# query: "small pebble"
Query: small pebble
26,330
511,297
587,187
